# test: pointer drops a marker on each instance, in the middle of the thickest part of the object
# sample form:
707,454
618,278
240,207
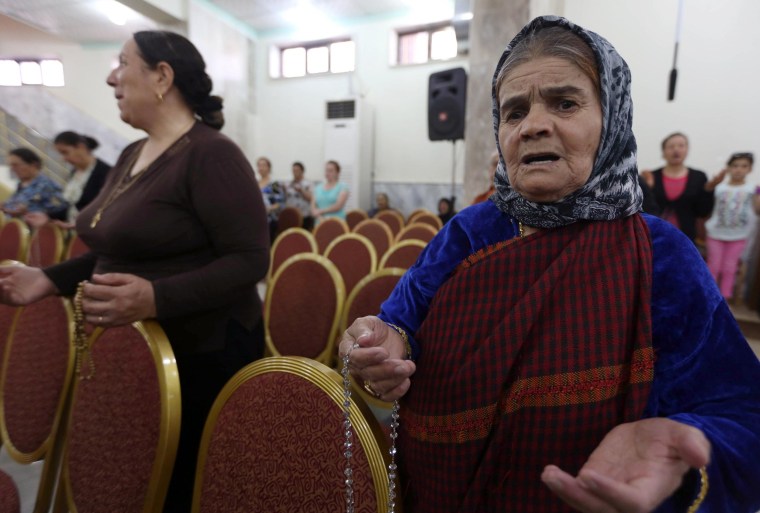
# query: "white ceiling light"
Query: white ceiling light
117,13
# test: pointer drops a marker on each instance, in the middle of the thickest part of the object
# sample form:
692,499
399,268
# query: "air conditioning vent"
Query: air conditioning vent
341,110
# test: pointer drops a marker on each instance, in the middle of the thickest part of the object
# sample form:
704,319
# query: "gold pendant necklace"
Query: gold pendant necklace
124,183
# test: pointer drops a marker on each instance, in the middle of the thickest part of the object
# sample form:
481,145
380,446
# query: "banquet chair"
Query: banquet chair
327,230
123,423
9,498
291,242
46,246
378,234
76,247
289,217
355,216
402,254
273,441
428,218
37,372
417,231
302,308
417,212
392,218
354,256
14,239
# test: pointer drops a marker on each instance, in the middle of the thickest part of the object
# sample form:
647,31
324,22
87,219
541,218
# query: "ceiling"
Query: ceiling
85,21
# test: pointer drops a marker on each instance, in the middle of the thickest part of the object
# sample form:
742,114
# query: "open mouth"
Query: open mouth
540,158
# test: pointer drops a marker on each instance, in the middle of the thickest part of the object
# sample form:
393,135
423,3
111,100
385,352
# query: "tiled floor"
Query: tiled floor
26,478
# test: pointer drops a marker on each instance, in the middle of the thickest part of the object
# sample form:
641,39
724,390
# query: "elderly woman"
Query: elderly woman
178,233
36,193
553,347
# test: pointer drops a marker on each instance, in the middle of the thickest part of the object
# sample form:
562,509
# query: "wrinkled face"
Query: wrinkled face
74,155
675,150
263,167
493,164
739,169
297,173
331,172
23,170
134,86
550,127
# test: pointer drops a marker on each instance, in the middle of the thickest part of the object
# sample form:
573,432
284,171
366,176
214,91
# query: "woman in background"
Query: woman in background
273,192
684,194
298,195
732,221
88,173
330,197
36,194
178,234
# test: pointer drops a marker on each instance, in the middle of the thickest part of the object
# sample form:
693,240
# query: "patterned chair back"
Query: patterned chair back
46,247
36,377
378,233
287,414
76,247
392,218
290,217
9,499
291,242
14,239
369,294
124,422
427,218
355,216
402,254
417,231
354,256
302,308
329,229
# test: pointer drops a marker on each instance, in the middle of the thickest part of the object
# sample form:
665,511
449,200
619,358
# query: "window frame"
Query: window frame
44,81
279,51
429,29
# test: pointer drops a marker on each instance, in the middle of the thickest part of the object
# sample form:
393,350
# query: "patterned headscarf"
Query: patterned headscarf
612,190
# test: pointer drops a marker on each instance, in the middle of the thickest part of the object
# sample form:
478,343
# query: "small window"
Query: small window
312,59
18,72
431,43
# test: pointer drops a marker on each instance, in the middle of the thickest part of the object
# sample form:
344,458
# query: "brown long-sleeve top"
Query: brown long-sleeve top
194,224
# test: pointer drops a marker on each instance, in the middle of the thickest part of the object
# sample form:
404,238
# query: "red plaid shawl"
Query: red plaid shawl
531,352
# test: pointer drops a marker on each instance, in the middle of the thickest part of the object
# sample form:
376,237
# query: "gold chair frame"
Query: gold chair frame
427,215
52,448
60,245
327,221
416,212
360,211
384,227
24,236
366,428
326,356
363,240
393,213
171,405
400,245
305,233
415,225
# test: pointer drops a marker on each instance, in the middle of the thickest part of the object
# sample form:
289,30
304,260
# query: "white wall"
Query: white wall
85,70
292,111
718,72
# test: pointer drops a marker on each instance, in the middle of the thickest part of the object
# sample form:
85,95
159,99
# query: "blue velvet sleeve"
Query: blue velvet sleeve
706,374
472,229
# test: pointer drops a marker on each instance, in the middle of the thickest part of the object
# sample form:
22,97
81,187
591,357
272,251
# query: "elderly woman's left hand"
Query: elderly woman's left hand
116,299
636,467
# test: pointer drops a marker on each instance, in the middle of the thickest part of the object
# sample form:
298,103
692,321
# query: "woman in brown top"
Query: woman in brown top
178,233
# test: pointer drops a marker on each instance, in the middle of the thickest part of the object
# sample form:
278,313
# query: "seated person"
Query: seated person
36,193
492,165
381,203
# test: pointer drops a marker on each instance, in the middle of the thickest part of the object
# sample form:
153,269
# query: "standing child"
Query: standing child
732,220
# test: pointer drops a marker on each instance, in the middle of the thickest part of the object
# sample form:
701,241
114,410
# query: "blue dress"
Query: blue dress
706,375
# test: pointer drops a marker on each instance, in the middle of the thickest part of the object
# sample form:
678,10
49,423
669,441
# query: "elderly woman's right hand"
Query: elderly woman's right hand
21,285
377,357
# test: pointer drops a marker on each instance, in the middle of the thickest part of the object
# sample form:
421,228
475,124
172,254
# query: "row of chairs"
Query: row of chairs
46,245
353,253
290,217
273,440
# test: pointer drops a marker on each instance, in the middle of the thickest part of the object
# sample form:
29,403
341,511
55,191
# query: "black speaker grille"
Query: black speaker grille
341,110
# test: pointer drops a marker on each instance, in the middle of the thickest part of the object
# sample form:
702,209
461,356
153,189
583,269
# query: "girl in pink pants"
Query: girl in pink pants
732,220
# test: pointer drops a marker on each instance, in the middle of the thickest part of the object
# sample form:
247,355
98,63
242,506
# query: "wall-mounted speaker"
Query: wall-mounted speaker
447,94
